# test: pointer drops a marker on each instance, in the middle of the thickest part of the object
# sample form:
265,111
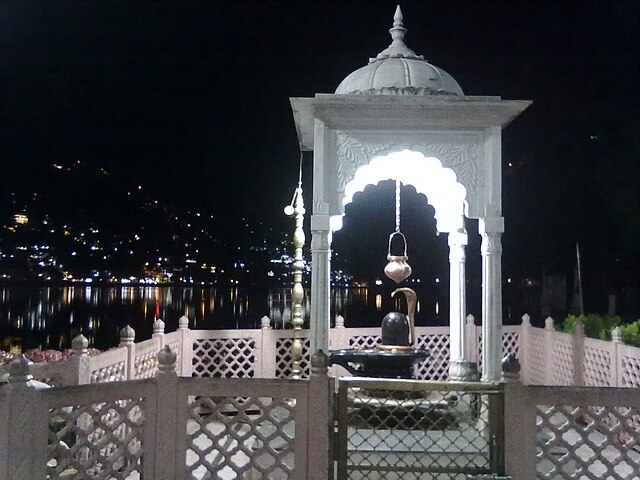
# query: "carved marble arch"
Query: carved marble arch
426,174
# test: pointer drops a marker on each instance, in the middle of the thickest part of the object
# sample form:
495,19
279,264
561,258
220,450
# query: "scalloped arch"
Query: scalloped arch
426,174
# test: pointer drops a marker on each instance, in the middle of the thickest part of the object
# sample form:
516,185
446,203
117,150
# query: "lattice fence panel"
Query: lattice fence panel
238,438
145,365
630,371
597,367
284,361
96,441
110,373
562,361
588,442
511,344
535,357
436,366
364,341
399,434
227,357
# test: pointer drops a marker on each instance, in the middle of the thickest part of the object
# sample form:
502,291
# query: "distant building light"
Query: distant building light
88,280
378,282
73,254
21,219
437,280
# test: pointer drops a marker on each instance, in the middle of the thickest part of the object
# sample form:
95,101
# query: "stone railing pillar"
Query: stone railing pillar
158,332
519,432
185,369
265,350
320,426
166,419
127,339
578,355
525,332
471,338
340,338
80,361
616,361
549,330
268,353
25,420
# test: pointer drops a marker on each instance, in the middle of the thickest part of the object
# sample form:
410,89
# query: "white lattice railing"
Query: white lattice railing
244,429
192,428
556,358
547,357
165,427
572,433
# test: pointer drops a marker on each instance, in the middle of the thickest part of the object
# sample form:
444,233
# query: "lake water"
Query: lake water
49,317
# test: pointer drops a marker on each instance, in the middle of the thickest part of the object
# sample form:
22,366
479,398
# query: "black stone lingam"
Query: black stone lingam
395,356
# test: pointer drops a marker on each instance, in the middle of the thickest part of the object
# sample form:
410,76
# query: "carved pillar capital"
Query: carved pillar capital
491,243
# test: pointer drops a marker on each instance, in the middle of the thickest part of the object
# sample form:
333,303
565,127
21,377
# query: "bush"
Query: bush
595,326
631,333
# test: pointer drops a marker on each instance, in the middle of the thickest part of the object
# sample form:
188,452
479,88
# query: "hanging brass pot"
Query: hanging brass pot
397,269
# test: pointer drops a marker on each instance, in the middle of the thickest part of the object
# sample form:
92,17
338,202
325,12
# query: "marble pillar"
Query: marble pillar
491,230
460,366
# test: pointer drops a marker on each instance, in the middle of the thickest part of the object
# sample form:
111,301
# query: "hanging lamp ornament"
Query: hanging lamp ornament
397,269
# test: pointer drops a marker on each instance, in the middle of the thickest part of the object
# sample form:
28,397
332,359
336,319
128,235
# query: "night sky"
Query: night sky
191,99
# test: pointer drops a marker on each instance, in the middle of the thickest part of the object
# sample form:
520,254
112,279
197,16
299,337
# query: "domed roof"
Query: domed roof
397,70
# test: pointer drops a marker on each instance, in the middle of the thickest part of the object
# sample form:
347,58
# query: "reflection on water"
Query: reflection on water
49,317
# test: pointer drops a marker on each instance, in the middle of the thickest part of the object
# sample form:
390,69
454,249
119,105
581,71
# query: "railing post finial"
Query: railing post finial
79,346
549,323
265,323
339,321
616,335
183,323
158,327
127,336
526,320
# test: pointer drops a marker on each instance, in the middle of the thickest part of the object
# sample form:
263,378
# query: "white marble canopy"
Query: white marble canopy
422,130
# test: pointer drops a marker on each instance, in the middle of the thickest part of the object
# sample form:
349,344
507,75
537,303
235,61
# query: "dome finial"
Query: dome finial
397,31
397,49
